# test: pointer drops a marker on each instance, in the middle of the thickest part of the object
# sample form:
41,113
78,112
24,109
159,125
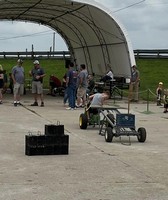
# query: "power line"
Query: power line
28,35
134,4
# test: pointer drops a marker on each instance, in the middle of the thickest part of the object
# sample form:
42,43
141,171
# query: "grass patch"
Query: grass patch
152,71
50,66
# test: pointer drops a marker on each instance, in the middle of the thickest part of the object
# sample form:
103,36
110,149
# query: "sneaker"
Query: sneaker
15,103
69,108
1,102
18,103
34,104
42,104
165,111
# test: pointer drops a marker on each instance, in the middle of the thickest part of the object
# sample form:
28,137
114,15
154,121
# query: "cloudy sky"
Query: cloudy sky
145,21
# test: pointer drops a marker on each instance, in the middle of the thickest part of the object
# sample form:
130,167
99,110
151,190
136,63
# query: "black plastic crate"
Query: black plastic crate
64,149
125,120
32,151
35,140
46,145
61,149
47,150
42,140
52,129
57,140
32,140
64,140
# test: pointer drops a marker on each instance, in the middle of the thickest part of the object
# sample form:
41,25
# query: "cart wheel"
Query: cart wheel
142,134
112,119
83,120
108,134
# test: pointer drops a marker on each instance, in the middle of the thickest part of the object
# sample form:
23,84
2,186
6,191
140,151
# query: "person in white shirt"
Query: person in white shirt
109,75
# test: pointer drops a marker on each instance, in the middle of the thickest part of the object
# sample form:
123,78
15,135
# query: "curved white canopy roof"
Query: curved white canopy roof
94,37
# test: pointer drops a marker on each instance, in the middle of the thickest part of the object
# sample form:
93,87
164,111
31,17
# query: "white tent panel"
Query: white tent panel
93,35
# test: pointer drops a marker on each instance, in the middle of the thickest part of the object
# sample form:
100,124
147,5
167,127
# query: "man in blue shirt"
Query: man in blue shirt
71,79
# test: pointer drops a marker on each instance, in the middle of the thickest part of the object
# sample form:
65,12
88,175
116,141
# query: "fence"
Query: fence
151,53
140,53
34,54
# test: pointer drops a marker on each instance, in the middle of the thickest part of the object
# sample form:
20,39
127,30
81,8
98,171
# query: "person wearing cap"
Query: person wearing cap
37,74
159,91
18,81
134,84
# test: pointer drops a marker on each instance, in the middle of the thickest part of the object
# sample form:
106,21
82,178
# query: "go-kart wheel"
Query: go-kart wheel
83,121
141,134
112,119
108,134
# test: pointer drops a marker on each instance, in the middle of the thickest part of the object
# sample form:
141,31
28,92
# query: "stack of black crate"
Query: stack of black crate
53,142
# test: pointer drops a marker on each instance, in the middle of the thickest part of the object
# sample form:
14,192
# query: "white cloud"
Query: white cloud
42,38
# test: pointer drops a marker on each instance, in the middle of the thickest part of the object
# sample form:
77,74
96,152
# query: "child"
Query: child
99,98
159,92
165,99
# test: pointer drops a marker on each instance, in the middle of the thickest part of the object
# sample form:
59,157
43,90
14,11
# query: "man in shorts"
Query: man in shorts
82,84
18,81
37,74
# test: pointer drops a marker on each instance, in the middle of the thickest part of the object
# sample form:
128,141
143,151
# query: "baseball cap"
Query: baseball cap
160,83
20,61
36,62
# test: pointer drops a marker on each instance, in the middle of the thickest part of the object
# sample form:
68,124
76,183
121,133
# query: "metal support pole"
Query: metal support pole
147,100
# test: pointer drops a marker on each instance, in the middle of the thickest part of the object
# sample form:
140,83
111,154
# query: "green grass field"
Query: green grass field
152,71
50,66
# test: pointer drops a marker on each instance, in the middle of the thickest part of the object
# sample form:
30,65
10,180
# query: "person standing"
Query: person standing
18,82
159,92
5,87
82,84
65,99
71,86
10,83
165,100
134,84
37,74
1,83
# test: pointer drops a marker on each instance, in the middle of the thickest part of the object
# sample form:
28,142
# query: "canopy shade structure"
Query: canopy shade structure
94,37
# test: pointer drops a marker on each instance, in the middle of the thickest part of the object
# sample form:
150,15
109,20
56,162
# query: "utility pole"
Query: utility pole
53,42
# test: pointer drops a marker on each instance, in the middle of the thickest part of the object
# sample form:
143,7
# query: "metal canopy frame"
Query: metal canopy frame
92,34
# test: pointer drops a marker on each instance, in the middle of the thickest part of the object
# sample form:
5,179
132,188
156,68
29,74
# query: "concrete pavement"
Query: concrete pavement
94,169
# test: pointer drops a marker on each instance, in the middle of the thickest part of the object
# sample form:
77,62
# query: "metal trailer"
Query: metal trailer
112,124
119,125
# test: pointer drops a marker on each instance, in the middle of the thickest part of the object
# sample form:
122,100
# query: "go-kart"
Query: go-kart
113,123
